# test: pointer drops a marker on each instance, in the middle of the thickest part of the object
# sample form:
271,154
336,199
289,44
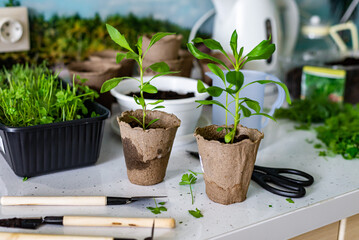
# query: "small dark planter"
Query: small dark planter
47,148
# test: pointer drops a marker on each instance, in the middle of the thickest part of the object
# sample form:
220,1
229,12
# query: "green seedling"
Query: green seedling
233,80
144,86
158,209
189,179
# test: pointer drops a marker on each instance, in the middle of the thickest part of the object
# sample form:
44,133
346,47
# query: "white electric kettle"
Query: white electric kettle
255,20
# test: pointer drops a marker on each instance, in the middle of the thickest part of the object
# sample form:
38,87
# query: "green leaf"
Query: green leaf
120,57
160,67
200,87
318,145
219,129
118,38
214,91
322,154
158,107
155,103
217,71
265,115
228,137
25,179
138,121
148,88
270,206
199,55
139,45
240,54
132,55
152,122
154,210
188,179
213,44
351,152
235,78
110,84
162,74
197,40
163,209
162,203
210,102
275,82
157,37
263,50
233,43
253,105
289,200
246,111
196,213
139,100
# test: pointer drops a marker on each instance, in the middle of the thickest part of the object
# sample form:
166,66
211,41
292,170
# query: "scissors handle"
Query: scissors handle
291,189
277,172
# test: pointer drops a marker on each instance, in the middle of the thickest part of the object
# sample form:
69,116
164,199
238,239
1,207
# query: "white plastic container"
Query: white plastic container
185,109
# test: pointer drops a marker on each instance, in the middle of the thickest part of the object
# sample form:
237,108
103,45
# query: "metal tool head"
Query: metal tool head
152,232
145,197
127,200
28,223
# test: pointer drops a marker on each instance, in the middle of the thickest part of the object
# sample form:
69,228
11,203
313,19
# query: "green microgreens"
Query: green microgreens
189,179
33,95
233,80
158,209
25,179
138,55
337,119
196,213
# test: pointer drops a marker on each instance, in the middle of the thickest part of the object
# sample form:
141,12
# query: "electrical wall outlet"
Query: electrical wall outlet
14,29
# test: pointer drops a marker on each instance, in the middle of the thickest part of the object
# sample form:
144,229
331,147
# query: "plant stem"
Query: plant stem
155,202
190,188
141,92
236,120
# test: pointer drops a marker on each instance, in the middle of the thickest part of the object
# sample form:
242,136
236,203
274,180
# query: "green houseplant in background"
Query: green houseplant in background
228,152
147,135
45,124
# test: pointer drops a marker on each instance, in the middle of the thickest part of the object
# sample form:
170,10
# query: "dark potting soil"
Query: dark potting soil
167,95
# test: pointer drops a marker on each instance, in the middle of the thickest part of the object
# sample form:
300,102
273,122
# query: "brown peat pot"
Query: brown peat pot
147,151
227,167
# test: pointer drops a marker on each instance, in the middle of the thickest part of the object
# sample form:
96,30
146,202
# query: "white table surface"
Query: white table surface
333,196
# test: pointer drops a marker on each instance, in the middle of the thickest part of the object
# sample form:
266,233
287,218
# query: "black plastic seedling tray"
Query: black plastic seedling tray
47,148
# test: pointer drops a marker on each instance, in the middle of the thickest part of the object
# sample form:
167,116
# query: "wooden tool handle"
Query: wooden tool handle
27,236
55,201
118,222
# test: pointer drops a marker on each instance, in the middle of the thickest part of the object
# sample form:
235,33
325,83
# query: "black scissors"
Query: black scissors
271,178
288,187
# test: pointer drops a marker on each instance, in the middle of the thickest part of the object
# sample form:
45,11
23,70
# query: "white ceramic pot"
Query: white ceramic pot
185,109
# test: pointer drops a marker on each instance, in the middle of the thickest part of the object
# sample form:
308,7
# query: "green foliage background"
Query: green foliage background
67,38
